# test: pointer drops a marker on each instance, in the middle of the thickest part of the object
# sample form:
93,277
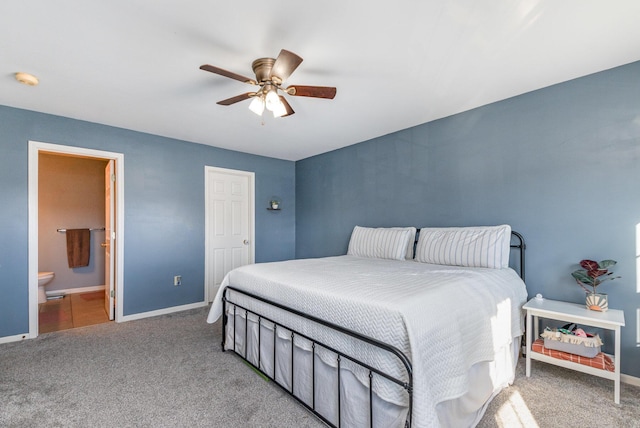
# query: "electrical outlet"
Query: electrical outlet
177,280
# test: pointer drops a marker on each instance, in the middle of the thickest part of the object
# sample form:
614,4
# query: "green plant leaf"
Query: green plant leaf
606,264
582,276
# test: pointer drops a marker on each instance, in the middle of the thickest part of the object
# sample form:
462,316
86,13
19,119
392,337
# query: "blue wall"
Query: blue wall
561,165
164,210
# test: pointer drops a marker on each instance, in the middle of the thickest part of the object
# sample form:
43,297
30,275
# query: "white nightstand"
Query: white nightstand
571,312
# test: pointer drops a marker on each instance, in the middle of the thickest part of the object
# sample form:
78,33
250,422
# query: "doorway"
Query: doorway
229,224
112,234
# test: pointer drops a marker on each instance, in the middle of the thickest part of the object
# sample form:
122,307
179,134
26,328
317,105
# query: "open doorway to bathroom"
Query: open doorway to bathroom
75,237
71,200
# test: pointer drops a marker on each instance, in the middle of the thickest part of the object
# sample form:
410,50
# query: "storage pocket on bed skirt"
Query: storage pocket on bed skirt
239,334
245,334
314,379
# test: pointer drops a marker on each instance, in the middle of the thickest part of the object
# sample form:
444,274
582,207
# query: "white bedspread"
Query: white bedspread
444,318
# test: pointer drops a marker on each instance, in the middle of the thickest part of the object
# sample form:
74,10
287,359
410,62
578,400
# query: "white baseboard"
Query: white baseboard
165,311
16,338
631,380
19,337
75,290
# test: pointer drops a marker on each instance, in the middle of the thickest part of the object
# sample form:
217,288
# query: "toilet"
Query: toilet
43,279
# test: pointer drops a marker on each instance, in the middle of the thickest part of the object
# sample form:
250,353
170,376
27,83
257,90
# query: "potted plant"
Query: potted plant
590,277
274,204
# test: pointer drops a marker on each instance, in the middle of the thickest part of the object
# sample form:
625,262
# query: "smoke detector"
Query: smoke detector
27,79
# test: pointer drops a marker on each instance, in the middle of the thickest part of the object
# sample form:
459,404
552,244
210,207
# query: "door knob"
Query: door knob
245,242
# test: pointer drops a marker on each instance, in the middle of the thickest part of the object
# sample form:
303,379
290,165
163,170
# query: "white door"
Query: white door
109,234
229,220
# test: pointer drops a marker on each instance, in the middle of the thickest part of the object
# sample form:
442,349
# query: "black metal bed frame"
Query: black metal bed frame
406,385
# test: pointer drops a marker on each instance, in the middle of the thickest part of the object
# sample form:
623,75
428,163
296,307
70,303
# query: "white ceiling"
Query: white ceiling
135,64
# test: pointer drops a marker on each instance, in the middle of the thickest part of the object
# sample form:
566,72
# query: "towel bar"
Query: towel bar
94,228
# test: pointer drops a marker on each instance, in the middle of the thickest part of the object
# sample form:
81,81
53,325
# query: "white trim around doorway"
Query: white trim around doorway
34,149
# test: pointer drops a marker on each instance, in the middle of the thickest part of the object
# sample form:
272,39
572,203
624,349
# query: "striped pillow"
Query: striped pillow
410,242
465,246
380,243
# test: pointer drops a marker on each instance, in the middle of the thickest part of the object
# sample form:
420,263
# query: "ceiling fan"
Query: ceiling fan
270,74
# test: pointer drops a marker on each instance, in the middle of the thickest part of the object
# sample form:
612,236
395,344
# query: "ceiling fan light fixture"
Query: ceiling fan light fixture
279,110
272,100
270,74
257,105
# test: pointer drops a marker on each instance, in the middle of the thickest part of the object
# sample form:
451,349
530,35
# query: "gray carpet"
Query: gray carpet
558,397
169,371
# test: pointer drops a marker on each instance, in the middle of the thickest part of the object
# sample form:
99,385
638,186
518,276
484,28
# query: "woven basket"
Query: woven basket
584,346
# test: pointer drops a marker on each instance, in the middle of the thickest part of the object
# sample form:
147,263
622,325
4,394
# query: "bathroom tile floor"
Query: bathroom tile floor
74,310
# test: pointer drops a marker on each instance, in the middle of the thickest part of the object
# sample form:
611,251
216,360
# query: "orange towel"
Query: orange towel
600,361
78,246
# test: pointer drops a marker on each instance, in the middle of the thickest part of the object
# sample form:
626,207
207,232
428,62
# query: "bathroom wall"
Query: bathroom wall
70,196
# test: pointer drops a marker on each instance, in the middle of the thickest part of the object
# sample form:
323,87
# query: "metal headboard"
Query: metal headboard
521,246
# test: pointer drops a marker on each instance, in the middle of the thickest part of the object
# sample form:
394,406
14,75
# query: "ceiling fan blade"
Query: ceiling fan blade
312,91
236,99
225,73
286,106
285,64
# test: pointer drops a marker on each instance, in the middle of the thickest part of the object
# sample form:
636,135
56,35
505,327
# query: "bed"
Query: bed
411,327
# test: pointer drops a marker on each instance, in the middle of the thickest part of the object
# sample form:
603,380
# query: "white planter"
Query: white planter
597,302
